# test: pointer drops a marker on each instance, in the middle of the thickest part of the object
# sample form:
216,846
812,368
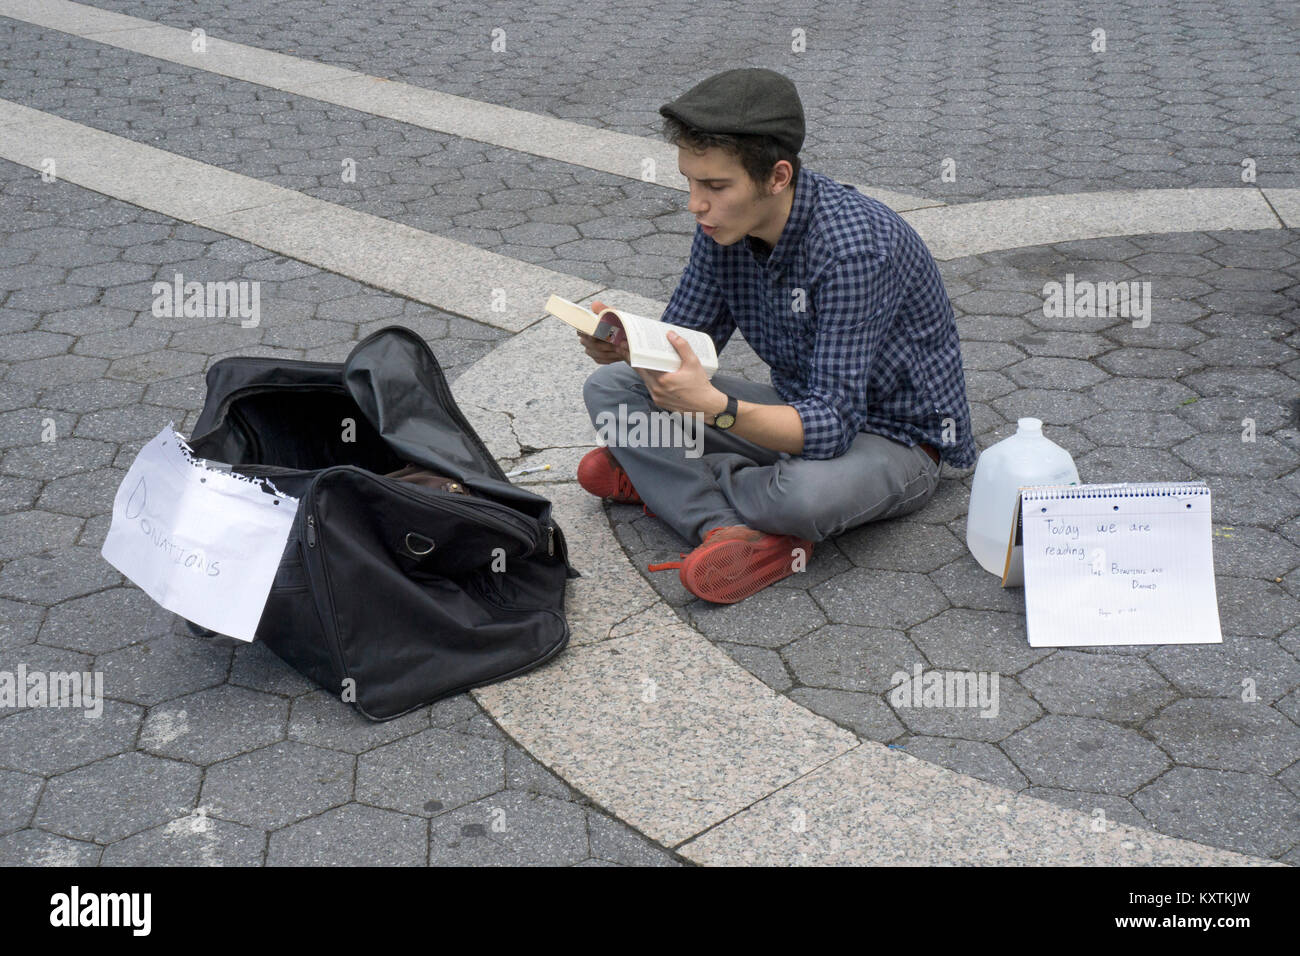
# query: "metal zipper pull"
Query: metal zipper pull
311,531
550,540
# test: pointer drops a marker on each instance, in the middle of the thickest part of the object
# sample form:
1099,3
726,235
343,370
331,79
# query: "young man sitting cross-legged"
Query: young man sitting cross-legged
841,298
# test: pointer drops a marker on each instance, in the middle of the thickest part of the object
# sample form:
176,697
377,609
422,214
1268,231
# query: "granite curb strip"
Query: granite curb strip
875,806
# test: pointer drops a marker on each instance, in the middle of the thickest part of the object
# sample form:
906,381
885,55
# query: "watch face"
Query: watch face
725,420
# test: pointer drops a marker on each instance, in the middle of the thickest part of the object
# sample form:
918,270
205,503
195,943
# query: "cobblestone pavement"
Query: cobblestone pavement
1183,92
213,751
208,751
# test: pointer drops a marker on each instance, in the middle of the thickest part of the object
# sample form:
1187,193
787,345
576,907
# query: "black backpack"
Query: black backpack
392,593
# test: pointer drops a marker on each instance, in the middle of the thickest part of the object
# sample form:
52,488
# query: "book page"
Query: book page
649,346
1129,565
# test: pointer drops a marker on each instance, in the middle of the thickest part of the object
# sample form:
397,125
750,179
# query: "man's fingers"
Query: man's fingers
684,351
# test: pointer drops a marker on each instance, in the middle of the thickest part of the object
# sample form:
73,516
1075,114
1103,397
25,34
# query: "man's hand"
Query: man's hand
687,389
602,352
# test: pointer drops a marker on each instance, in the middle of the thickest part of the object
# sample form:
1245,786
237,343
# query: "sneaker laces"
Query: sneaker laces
665,565
624,487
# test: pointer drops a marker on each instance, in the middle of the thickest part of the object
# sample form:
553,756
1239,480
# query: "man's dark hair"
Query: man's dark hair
757,154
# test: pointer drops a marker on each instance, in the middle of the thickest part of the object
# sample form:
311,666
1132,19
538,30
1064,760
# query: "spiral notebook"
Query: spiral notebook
1115,564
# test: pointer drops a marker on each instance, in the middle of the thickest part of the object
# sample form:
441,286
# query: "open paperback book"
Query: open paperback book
647,339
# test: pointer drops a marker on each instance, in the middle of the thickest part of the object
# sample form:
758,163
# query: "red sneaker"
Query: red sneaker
736,561
600,474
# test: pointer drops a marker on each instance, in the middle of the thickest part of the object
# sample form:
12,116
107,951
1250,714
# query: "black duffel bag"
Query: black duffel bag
392,591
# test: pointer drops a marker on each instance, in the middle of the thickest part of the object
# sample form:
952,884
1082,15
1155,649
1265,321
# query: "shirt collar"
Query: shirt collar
795,226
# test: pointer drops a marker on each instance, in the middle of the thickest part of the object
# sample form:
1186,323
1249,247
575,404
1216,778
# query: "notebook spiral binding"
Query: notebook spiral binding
1146,490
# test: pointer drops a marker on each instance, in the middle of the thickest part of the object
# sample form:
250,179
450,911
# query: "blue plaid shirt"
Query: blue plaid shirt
851,315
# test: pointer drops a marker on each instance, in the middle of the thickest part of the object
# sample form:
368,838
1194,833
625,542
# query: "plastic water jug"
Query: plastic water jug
1026,458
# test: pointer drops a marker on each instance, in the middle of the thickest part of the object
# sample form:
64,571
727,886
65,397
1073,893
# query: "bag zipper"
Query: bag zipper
509,520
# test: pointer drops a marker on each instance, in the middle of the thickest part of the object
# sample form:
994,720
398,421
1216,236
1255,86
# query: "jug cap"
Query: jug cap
1029,424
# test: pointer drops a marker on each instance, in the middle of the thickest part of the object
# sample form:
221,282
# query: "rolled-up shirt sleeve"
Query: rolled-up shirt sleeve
697,302
854,304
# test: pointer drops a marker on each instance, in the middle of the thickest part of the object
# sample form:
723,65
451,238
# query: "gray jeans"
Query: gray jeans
736,481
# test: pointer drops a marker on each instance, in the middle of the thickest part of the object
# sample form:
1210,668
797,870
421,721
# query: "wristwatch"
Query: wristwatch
727,417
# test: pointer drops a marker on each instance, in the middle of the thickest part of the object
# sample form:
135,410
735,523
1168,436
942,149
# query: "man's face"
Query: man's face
723,200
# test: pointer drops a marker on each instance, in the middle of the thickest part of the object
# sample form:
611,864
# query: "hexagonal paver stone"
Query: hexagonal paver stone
1245,812
106,621
155,366
1150,363
1132,464
1051,405
57,370
25,736
84,495
1081,753
431,772
54,576
1265,457
510,829
277,785
352,835
867,715
1245,383
981,760
1041,372
214,724
257,667
166,667
117,797
19,624
970,705
1103,809
763,663
613,841
1150,395
1253,608
525,773
38,848
967,585
901,546
879,598
1224,415
771,618
18,793
1226,735
28,532
1239,667
324,720
64,456
193,840
1113,687
962,639
1133,427
844,657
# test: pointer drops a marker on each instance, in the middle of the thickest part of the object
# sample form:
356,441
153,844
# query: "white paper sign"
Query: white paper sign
1119,564
204,544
